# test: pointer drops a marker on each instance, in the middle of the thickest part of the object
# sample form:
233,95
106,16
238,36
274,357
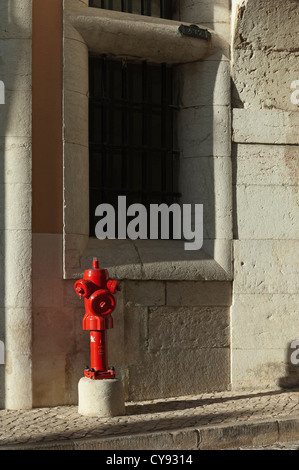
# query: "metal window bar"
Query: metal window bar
144,132
131,134
103,131
158,8
124,129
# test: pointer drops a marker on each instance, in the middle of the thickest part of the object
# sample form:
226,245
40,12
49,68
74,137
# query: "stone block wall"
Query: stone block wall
265,167
177,338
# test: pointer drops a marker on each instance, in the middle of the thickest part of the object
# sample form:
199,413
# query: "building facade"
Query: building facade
187,321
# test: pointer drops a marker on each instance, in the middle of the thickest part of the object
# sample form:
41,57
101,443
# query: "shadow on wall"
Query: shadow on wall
197,118
236,102
195,89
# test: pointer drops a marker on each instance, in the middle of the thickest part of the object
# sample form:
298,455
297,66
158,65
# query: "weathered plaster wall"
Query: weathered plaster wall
265,159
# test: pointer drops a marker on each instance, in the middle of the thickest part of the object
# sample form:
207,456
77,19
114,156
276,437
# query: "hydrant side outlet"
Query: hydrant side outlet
98,291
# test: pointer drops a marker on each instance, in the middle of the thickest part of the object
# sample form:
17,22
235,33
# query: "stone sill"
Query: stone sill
156,260
117,34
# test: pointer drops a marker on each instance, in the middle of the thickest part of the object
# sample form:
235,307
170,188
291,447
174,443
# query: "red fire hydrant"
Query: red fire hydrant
97,291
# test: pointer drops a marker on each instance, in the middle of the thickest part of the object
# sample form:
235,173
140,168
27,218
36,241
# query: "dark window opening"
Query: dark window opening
156,8
131,135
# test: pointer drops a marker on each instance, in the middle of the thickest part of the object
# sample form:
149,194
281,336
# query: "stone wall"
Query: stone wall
174,330
265,161
177,338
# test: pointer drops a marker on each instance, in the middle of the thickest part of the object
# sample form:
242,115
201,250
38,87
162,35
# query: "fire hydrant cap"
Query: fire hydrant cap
102,302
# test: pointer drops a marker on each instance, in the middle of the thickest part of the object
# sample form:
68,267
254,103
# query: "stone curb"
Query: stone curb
218,437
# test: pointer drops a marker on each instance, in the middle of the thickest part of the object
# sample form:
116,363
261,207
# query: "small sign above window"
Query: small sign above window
194,31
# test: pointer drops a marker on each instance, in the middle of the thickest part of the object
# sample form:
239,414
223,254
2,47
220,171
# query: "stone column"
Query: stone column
15,204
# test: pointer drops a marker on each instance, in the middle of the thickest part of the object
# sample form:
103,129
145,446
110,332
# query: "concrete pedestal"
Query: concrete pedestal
103,398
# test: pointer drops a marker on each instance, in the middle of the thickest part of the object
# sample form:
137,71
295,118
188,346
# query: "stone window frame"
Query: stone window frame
103,31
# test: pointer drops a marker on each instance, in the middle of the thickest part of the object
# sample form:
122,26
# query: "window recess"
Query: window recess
132,149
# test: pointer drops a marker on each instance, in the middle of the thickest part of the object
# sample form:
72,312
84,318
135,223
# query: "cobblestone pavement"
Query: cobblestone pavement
205,411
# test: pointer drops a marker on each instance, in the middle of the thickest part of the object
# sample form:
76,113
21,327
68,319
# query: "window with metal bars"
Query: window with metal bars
156,8
132,117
